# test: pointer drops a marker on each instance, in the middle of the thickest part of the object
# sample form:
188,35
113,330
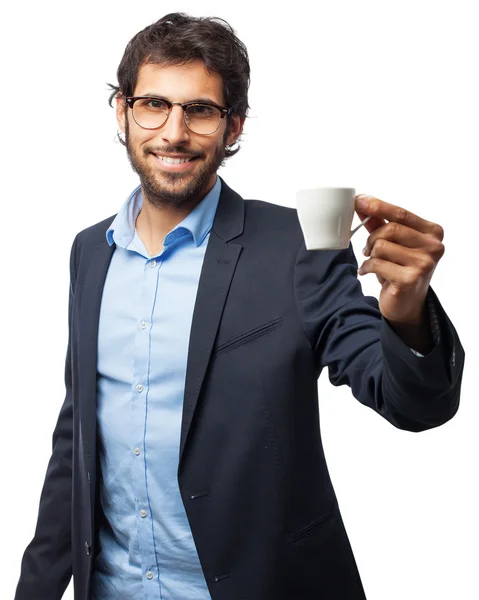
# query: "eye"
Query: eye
153,104
202,110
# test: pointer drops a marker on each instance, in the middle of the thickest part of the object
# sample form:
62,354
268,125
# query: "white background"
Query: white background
380,96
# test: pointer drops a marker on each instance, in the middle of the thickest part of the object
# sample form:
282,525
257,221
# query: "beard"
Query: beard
174,190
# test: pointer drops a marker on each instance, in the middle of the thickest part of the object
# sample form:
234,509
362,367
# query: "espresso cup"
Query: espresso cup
326,215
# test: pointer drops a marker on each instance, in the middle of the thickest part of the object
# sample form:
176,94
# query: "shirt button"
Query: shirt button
137,451
153,264
149,575
139,388
143,324
143,513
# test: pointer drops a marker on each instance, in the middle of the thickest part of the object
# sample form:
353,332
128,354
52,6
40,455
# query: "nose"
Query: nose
174,131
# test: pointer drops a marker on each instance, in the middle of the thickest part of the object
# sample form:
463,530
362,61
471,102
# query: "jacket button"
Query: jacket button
87,548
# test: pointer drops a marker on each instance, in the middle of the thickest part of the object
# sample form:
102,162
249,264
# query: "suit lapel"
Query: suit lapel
89,308
219,266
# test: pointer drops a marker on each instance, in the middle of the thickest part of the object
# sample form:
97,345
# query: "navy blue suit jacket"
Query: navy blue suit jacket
269,316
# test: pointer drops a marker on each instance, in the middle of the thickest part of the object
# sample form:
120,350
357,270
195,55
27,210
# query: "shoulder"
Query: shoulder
94,234
263,208
273,222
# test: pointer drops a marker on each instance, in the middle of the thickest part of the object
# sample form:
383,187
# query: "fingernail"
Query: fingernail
366,251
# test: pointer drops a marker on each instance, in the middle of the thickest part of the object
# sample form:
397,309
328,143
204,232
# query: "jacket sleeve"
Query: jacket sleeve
350,337
46,567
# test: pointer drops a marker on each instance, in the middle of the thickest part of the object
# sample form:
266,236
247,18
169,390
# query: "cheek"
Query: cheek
219,142
142,141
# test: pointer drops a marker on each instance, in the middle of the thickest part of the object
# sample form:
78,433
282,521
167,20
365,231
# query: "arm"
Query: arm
350,336
47,564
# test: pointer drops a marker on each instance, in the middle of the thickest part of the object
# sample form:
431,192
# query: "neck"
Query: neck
156,220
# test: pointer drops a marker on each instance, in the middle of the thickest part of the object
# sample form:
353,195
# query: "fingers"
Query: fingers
404,249
384,269
407,237
401,277
373,223
402,256
370,206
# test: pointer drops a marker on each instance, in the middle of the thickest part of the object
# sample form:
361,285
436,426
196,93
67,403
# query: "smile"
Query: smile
175,165
173,161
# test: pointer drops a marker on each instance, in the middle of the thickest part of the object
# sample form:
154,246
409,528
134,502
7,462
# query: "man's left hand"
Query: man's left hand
403,251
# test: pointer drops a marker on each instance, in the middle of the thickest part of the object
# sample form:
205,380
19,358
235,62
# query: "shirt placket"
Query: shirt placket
140,398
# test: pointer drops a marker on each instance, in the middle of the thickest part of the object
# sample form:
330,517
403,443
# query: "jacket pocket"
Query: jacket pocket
249,336
305,532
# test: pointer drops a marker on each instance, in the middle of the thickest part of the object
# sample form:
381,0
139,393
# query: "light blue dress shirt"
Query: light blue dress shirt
146,548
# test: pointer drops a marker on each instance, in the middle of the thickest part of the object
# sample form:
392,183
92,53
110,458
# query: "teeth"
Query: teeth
173,161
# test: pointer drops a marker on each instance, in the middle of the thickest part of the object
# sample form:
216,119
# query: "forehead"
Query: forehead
179,83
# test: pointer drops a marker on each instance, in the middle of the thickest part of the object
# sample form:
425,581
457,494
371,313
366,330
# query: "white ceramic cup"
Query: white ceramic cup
326,215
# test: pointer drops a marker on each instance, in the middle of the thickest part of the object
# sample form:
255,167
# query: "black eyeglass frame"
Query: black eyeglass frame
224,112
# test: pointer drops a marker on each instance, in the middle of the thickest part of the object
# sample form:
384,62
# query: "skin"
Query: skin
170,196
403,251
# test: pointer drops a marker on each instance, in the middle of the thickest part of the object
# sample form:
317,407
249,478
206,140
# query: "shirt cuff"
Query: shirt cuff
434,324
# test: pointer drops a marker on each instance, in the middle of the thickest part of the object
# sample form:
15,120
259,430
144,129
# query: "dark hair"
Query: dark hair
178,39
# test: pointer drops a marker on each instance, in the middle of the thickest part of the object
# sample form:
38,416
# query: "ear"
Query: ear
121,107
235,129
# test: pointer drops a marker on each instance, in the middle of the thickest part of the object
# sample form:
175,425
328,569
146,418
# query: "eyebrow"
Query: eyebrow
199,100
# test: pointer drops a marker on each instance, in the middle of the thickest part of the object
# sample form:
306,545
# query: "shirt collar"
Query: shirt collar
198,223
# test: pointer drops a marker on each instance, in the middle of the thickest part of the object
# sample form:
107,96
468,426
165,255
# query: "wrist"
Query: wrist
416,334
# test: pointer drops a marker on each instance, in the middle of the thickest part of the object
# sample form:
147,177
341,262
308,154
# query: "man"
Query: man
187,460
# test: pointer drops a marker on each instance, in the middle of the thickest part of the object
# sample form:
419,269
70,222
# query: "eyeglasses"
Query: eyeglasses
200,117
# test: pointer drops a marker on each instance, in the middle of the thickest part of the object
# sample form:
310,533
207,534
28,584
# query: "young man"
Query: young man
187,460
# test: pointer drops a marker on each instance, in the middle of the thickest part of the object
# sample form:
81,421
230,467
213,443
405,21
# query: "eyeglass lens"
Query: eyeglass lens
151,113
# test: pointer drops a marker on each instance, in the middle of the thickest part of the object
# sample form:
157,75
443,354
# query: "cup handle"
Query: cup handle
360,225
